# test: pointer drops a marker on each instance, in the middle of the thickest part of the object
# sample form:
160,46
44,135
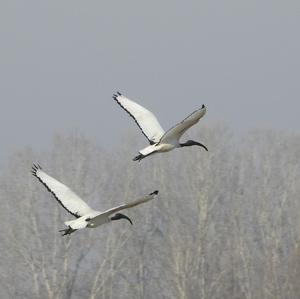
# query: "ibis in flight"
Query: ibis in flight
86,216
160,141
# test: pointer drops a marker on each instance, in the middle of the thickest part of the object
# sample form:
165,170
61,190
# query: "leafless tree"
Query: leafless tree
226,223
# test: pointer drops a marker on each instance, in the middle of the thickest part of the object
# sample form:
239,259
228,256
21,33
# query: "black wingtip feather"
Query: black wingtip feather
154,192
116,95
35,168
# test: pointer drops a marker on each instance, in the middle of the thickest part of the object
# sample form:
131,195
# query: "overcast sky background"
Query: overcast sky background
61,61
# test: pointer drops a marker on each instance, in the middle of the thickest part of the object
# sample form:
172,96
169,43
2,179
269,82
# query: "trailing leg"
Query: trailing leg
67,231
139,157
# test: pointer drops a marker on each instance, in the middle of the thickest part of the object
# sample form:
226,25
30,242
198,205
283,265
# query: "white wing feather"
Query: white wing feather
145,119
63,194
130,204
179,129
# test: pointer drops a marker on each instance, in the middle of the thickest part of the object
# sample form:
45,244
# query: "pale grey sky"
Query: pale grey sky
61,61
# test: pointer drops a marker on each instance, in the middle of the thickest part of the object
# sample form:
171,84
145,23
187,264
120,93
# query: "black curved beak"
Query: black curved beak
121,216
202,145
125,217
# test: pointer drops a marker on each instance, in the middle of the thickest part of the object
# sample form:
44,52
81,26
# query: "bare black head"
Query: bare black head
192,142
120,216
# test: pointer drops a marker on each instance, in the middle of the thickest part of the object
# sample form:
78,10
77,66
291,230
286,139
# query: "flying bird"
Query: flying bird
86,216
160,141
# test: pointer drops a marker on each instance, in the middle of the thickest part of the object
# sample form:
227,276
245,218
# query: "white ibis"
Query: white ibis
86,216
160,141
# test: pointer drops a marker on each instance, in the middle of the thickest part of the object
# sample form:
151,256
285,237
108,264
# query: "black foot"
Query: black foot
139,157
67,231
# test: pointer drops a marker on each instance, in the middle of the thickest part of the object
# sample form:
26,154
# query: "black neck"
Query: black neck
191,143
119,216
185,144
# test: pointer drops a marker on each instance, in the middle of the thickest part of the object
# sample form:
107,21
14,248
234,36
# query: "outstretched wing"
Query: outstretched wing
178,130
145,119
64,195
131,204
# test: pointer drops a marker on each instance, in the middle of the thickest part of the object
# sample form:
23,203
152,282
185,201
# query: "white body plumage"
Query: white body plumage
160,141
86,216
